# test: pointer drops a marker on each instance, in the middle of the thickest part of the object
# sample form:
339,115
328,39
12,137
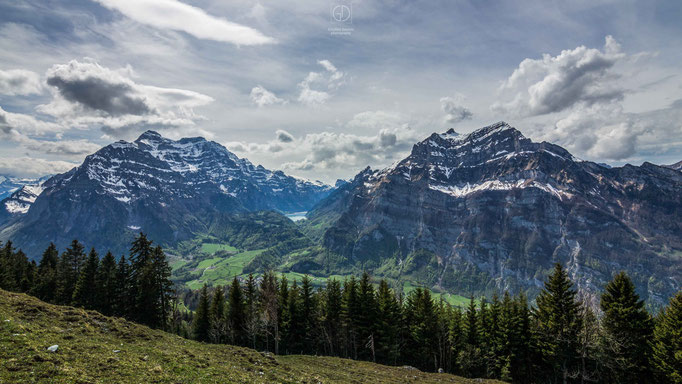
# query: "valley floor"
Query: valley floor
97,349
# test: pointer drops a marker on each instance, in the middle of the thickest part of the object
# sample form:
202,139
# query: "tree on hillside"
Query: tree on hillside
331,317
106,285
201,323
236,314
667,343
122,299
558,324
388,314
85,293
270,310
470,360
252,320
350,312
218,326
68,271
46,285
627,331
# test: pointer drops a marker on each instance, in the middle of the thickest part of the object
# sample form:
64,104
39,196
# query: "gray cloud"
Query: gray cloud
553,84
262,97
284,136
98,94
19,82
88,94
455,112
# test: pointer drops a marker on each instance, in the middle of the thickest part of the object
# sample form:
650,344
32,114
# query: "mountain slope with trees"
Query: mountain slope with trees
493,210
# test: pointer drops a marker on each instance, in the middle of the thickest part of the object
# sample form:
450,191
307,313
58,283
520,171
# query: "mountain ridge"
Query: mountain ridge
494,210
171,189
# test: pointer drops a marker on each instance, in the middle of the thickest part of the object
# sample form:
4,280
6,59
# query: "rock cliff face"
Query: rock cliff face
494,210
172,190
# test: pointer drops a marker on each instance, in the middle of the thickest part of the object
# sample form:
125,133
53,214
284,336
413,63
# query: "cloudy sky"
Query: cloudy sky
321,88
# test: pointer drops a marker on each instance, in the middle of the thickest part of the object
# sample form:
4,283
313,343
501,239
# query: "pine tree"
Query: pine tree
332,316
7,273
201,322
295,332
308,316
218,326
423,329
388,313
163,287
252,320
365,317
122,299
558,323
68,271
283,316
84,293
142,308
106,285
236,314
46,284
627,329
667,342
349,315
270,310
470,357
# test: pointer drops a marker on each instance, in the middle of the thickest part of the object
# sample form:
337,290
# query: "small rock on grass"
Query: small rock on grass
53,348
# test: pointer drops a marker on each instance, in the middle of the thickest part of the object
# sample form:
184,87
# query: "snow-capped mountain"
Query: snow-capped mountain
9,184
173,190
493,209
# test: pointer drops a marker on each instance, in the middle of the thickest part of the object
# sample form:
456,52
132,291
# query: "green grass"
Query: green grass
97,349
221,270
211,248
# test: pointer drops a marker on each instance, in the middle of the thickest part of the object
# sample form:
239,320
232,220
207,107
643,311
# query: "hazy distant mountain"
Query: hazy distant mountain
10,184
173,190
494,210
677,166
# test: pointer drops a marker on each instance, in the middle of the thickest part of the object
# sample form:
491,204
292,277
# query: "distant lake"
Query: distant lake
296,216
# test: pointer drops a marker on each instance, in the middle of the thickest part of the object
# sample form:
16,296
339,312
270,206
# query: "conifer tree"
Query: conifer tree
667,343
218,326
470,359
294,312
162,293
558,324
46,284
283,316
349,315
201,322
106,285
366,316
308,316
386,340
627,330
236,314
332,316
122,299
270,310
252,320
69,270
84,293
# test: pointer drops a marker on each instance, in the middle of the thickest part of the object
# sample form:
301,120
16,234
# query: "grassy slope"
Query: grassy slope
98,349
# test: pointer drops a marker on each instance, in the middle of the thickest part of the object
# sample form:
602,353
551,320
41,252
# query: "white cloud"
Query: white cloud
32,167
178,16
19,82
317,87
581,76
454,109
324,151
262,97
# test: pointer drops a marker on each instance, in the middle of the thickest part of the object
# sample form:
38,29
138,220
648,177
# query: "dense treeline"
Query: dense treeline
139,289
557,340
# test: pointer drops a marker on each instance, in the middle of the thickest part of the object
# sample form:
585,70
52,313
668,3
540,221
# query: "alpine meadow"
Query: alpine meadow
341,191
